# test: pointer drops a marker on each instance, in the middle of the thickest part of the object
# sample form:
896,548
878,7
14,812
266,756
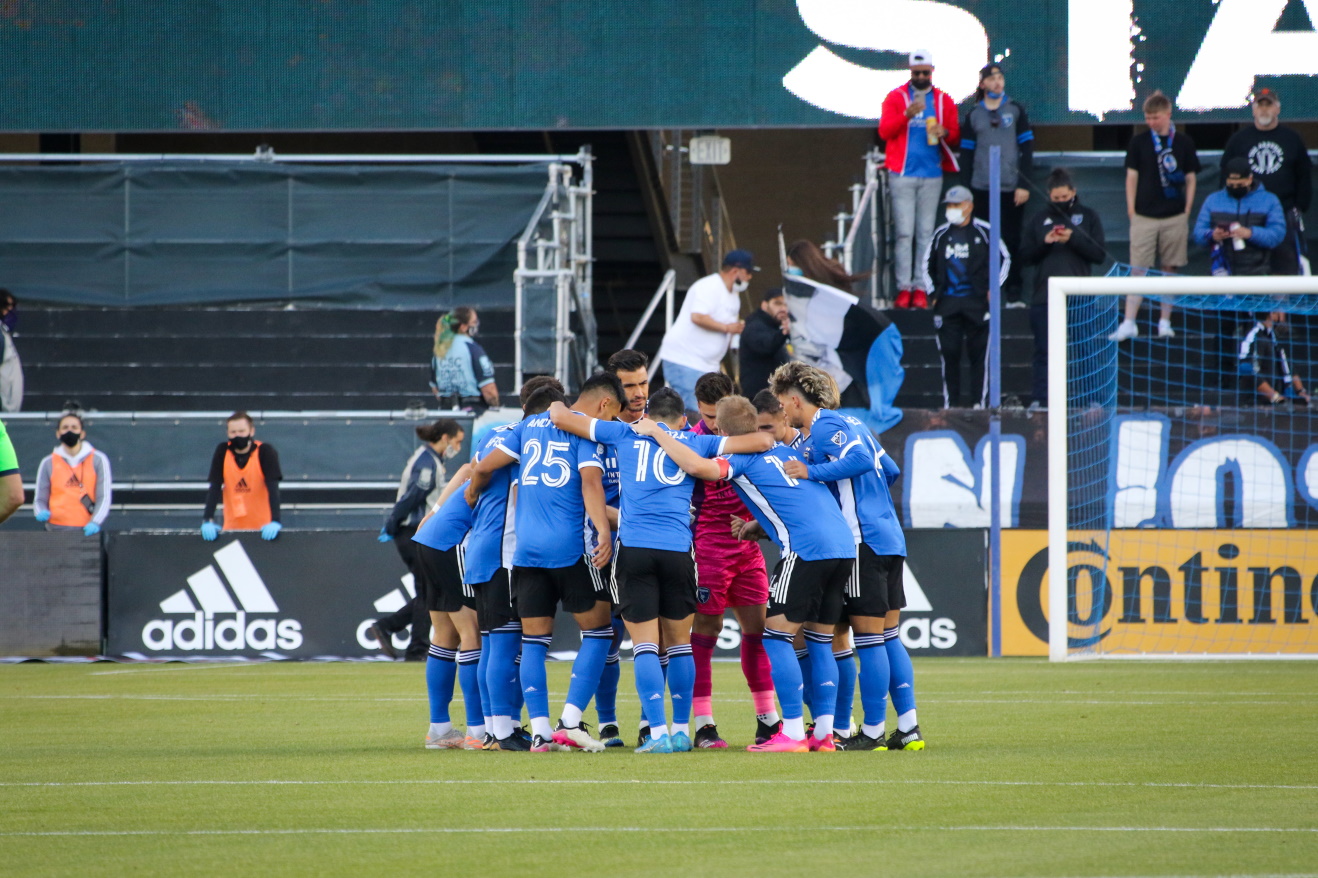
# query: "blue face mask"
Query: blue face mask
995,95
795,270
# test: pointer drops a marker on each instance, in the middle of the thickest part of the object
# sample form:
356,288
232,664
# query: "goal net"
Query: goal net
1183,469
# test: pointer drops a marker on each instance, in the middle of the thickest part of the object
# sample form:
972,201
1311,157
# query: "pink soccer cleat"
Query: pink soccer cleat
780,743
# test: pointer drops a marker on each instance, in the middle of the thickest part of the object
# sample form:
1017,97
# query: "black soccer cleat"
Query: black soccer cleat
862,741
385,641
610,736
764,732
514,743
707,738
643,736
910,740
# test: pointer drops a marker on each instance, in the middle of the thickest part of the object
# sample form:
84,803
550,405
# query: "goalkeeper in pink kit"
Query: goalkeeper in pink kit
730,574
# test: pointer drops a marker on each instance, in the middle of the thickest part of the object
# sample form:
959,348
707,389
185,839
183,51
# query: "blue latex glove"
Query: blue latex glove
91,530
42,516
209,531
384,537
271,530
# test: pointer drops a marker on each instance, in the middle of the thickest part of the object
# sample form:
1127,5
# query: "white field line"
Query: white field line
535,830
631,781
1208,698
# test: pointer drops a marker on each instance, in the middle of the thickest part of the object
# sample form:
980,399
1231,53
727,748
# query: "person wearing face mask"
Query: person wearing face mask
703,329
1241,223
920,130
1280,162
461,373
11,367
424,478
246,475
995,119
956,268
1064,239
73,484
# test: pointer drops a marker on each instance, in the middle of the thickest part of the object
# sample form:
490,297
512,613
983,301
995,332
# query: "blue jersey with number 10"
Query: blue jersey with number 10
841,451
491,542
801,516
550,513
656,493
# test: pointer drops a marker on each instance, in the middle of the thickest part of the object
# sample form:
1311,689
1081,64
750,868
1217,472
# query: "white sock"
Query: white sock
658,732
794,728
489,722
643,724
769,718
823,726
571,717
684,728
1126,323
870,731
502,725
476,732
437,729
702,721
906,721
1164,324
540,726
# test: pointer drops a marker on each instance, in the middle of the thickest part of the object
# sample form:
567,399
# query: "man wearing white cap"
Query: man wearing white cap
920,130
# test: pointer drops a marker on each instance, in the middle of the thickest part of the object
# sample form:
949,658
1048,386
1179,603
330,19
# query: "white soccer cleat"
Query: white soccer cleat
450,740
1126,330
576,738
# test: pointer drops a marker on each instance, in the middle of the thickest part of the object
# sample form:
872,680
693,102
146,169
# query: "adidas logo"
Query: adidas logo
248,623
73,482
242,487
531,689
656,698
904,686
829,683
922,632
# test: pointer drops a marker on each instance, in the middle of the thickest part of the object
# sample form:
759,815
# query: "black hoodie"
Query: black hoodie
1076,258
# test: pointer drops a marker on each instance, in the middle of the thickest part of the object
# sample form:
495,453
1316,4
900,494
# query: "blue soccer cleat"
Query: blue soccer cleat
662,744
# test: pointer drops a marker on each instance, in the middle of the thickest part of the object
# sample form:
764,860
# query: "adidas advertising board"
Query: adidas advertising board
305,595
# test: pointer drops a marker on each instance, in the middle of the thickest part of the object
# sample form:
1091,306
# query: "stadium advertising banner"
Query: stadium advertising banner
50,593
1168,591
499,64
304,595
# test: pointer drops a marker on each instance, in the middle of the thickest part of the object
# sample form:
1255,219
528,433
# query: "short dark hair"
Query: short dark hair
627,361
534,383
7,298
713,386
438,430
766,403
241,416
607,383
541,399
666,405
1059,178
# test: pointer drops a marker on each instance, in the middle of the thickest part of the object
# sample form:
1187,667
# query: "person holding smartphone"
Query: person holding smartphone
73,483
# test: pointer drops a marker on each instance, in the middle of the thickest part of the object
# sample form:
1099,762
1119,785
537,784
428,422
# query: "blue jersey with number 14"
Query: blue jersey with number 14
801,516
656,493
550,514
841,452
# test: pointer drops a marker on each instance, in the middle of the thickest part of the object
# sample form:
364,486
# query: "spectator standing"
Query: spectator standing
1242,222
1065,239
1280,162
11,482
462,375
11,367
995,119
1264,367
764,342
957,271
920,130
244,473
1160,181
73,484
710,316
419,490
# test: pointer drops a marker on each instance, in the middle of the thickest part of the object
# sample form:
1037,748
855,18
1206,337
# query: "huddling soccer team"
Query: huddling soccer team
615,511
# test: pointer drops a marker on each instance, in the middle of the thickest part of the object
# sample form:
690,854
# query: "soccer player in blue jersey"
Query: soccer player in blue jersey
817,556
560,485
655,570
488,559
841,452
455,645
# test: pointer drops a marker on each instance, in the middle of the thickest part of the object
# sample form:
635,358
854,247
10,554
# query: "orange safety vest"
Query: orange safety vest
68,485
246,498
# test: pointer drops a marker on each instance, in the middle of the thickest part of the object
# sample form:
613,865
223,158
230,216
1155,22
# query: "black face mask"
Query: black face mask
70,438
239,444
1237,191
1063,207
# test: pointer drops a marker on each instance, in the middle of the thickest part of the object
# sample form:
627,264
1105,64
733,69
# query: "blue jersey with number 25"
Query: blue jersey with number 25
550,513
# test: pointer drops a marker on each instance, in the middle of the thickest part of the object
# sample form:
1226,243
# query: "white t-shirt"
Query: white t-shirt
694,346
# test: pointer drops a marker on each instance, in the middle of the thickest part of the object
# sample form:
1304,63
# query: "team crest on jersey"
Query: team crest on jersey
702,595
1007,119
839,438
1077,219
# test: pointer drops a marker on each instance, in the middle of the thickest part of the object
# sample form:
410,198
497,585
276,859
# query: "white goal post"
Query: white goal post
1061,645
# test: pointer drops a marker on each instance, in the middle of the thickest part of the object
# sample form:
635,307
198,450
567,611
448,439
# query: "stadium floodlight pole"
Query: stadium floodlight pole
995,401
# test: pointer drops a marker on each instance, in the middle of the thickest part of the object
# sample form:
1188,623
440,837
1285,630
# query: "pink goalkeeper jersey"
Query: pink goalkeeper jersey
715,503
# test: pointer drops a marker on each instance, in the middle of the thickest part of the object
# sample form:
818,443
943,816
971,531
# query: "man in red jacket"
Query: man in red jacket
920,130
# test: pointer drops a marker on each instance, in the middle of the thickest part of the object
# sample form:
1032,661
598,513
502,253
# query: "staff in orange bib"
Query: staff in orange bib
73,483
246,474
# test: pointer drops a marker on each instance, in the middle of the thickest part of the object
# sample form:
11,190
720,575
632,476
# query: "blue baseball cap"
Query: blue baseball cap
742,259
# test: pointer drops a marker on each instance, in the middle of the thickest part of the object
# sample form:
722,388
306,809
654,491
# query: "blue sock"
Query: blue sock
606,696
588,666
519,699
846,689
872,656
902,684
681,681
650,682
482,674
469,679
535,685
441,670
803,662
823,673
786,671
502,674
663,665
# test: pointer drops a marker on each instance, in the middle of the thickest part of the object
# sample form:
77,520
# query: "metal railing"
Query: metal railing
863,237
694,199
666,293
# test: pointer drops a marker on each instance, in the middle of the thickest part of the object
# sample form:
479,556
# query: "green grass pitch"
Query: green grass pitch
1091,769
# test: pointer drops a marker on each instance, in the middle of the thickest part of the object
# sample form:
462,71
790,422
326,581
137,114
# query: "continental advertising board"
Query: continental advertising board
1216,592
